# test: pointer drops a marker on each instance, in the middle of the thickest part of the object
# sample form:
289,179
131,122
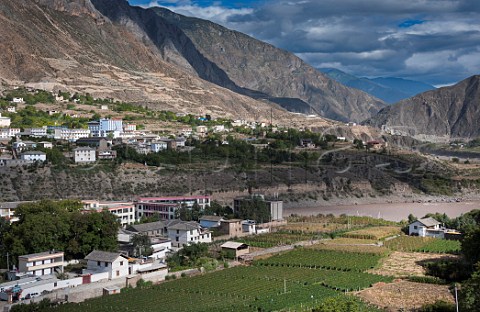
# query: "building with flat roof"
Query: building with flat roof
167,206
43,263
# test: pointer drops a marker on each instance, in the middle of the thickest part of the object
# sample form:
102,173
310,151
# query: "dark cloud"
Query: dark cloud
437,41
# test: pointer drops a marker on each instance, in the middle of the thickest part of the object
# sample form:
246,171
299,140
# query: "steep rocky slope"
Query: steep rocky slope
156,57
442,114
69,45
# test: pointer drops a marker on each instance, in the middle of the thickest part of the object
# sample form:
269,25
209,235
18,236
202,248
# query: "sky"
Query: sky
433,41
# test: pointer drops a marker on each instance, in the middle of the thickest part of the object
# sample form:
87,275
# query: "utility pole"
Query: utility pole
8,263
456,297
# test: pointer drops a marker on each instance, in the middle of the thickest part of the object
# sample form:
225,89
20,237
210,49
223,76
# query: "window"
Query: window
106,264
121,263
415,227
191,238
99,263
178,231
176,239
118,273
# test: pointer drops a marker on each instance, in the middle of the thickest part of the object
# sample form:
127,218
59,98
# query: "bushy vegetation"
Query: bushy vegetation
58,225
423,244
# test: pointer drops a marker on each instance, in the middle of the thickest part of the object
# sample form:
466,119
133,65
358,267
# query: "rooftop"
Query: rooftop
151,226
98,255
429,221
42,255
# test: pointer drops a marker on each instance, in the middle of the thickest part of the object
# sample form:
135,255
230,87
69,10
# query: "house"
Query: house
11,109
232,227
84,155
376,145
180,142
234,249
113,263
17,100
33,156
426,227
42,263
4,121
151,229
45,144
158,146
249,227
202,129
187,232
210,221
307,143
7,133
124,211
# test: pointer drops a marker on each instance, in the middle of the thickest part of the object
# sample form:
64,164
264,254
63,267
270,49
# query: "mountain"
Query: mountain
388,89
438,115
158,58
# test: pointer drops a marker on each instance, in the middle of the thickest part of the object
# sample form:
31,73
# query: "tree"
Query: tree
60,225
254,209
471,246
142,245
470,293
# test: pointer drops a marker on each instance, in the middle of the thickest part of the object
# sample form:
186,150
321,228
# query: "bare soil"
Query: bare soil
401,264
405,296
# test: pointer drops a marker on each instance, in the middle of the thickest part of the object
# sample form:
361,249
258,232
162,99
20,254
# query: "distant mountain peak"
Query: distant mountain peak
388,89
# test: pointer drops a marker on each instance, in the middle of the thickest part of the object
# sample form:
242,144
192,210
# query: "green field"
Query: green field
324,259
276,239
264,286
423,244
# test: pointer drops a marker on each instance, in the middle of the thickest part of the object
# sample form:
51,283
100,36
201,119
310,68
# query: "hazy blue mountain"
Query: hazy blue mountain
388,89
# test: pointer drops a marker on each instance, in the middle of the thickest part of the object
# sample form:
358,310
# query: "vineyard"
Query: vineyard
343,247
324,259
299,280
277,239
423,244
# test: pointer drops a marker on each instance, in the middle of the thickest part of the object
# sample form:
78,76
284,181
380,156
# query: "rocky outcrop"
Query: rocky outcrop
446,113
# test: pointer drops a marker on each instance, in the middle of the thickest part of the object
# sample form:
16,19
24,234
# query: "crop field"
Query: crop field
376,233
423,244
276,239
324,259
299,280
254,288
342,247
313,227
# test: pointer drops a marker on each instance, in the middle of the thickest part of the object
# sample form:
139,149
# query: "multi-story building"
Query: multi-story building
183,233
94,127
84,155
166,207
33,156
158,146
71,135
124,211
36,132
42,263
6,133
106,126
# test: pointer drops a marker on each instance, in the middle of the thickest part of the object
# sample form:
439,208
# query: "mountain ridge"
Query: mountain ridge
388,89
439,115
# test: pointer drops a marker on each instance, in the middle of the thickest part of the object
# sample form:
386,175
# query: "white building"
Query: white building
130,127
202,129
426,227
71,135
33,156
124,211
36,132
158,146
43,263
11,109
4,121
186,233
8,132
17,100
166,207
114,263
84,155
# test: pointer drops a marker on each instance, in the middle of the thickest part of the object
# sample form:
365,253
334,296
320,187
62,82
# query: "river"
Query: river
388,211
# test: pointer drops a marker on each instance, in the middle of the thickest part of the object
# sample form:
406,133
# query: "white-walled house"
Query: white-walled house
158,146
426,227
84,155
33,156
4,121
185,233
114,263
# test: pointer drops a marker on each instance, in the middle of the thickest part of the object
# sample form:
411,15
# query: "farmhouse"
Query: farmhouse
185,233
426,227
234,249
113,263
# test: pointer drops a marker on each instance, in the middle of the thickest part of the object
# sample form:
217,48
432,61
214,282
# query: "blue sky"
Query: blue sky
435,41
